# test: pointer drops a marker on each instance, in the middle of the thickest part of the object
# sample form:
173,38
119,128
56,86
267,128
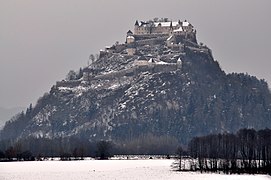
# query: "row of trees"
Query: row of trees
67,149
80,146
73,75
247,151
12,153
148,144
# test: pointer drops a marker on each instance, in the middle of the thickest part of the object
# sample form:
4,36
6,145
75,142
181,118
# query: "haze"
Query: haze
40,41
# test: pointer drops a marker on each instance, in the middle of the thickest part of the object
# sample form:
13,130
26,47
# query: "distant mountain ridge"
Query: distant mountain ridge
164,84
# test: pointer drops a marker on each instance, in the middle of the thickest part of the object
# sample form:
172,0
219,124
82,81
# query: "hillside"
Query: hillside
158,84
7,113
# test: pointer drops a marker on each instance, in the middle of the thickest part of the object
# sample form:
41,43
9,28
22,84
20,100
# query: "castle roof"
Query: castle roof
166,24
130,37
179,29
185,23
179,60
151,61
129,32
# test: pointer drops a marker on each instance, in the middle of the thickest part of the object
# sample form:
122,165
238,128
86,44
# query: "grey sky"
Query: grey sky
41,40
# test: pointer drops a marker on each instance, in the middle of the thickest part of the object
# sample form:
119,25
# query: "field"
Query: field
105,169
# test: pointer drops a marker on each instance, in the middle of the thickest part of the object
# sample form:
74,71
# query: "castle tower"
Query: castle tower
129,33
180,23
136,27
130,39
131,51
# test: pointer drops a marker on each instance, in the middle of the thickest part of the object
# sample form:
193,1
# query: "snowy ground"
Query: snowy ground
107,169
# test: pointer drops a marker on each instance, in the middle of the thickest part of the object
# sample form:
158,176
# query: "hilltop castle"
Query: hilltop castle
159,31
162,26
169,38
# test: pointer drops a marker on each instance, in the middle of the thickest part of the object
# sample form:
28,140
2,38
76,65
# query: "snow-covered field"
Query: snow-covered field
105,169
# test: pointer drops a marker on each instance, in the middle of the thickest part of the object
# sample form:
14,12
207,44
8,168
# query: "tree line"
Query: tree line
31,149
76,148
247,151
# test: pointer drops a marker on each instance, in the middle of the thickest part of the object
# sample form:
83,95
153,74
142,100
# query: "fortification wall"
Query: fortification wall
191,36
165,67
148,36
137,69
112,75
119,48
154,68
158,40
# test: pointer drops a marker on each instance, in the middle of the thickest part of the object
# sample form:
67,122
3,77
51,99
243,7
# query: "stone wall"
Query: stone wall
148,36
135,70
151,67
153,41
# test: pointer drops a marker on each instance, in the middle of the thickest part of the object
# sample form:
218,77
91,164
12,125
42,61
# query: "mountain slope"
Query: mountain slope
7,113
159,90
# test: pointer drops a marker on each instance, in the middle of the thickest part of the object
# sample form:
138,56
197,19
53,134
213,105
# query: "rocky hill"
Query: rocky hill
165,89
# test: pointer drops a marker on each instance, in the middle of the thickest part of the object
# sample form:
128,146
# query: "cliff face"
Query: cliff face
179,93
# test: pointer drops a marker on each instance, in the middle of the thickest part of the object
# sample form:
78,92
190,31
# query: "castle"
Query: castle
163,26
172,34
159,31
156,31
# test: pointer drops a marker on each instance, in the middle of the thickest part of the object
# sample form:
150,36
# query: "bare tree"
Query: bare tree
92,58
180,153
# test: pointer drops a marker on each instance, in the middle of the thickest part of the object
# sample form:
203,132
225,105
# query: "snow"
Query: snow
114,86
106,169
168,39
123,105
179,60
180,29
162,62
185,23
130,37
166,24
151,61
78,90
163,92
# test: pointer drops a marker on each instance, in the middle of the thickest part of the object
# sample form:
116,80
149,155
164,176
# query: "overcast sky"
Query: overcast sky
41,40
